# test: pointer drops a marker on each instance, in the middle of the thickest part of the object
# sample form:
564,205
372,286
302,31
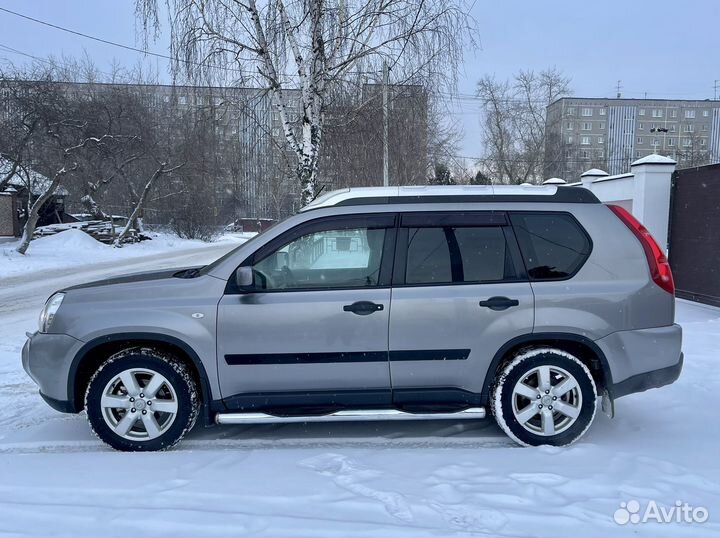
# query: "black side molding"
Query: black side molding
355,356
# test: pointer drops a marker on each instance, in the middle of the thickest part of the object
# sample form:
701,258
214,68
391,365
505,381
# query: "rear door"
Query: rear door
459,294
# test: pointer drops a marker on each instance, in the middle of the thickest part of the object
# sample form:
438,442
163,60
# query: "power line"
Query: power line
94,38
145,51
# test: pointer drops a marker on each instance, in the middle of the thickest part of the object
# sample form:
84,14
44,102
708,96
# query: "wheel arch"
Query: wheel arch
580,346
94,352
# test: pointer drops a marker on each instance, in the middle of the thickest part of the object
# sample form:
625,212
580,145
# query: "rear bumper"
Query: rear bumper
642,359
648,380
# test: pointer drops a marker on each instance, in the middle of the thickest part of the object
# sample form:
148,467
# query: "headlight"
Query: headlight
48,312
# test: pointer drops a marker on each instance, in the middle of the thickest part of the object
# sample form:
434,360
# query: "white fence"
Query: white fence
644,191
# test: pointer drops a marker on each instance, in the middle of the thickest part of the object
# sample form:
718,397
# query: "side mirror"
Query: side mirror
244,277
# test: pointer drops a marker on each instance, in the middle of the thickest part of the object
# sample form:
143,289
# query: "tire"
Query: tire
535,415
124,417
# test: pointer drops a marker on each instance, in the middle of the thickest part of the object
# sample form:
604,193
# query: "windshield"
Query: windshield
209,268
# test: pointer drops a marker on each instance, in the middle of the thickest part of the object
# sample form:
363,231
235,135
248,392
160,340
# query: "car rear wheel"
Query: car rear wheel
544,396
142,400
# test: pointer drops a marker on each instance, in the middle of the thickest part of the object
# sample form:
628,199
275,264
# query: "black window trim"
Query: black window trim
371,221
491,218
545,212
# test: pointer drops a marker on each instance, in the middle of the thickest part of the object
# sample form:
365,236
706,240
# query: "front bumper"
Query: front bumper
47,359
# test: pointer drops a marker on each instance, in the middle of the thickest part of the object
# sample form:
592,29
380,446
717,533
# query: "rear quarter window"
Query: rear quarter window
553,245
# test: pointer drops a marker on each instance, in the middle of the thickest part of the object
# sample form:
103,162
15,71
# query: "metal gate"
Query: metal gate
695,233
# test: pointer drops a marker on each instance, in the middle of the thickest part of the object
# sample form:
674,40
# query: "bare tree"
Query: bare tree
318,42
514,123
162,170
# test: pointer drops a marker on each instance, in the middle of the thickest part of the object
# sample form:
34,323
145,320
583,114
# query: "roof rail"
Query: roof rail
436,194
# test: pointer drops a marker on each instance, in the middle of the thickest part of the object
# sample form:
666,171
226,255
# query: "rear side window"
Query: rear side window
453,254
553,245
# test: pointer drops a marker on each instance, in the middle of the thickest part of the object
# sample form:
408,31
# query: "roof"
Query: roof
451,194
654,158
594,172
38,182
635,100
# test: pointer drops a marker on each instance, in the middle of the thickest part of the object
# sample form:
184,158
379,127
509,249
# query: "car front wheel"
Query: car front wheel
142,400
544,396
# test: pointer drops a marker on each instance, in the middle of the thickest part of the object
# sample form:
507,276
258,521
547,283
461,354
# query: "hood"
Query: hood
178,272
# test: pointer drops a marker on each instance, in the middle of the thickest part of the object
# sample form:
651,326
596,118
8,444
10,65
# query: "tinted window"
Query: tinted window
552,244
448,254
324,259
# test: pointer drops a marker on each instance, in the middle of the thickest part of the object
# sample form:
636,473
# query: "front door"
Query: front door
459,294
312,330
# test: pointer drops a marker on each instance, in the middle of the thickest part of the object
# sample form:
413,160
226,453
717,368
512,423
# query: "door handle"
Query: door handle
363,308
499,303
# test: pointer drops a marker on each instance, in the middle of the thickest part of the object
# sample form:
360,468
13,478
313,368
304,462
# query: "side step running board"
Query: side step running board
358,415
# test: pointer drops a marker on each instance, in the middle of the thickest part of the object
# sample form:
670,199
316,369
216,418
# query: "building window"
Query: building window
642,111
601,140
704,127
641,126
689,128
602,111
570,126
672,128
182,100
674,113
689,114
587,112
655,142
640,140
585,140
687,142
670,142
571,111
570,139
702,141
705,113
587,126
657,113
584,154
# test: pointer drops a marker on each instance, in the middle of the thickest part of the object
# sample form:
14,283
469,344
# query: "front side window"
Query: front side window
342,258
452,255
553,245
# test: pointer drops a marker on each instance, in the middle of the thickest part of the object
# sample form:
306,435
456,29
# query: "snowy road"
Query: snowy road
414,480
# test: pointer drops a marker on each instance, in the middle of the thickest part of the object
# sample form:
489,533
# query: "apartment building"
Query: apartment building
583,133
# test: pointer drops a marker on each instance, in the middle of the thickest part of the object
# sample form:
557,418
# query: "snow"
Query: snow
73,248
414,480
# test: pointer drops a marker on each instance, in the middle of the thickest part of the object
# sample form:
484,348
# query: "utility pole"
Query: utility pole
386,173
717,85
619,87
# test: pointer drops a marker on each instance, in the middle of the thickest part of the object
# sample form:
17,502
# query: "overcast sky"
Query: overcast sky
661,48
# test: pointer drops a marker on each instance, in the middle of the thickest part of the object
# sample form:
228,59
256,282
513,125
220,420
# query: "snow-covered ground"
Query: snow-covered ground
344,480
73,248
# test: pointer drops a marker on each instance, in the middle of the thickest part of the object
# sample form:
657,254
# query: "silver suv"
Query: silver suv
528,303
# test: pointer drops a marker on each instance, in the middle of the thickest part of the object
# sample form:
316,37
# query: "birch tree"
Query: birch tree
311,45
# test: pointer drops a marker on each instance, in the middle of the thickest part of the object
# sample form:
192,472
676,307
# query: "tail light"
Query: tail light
657,261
